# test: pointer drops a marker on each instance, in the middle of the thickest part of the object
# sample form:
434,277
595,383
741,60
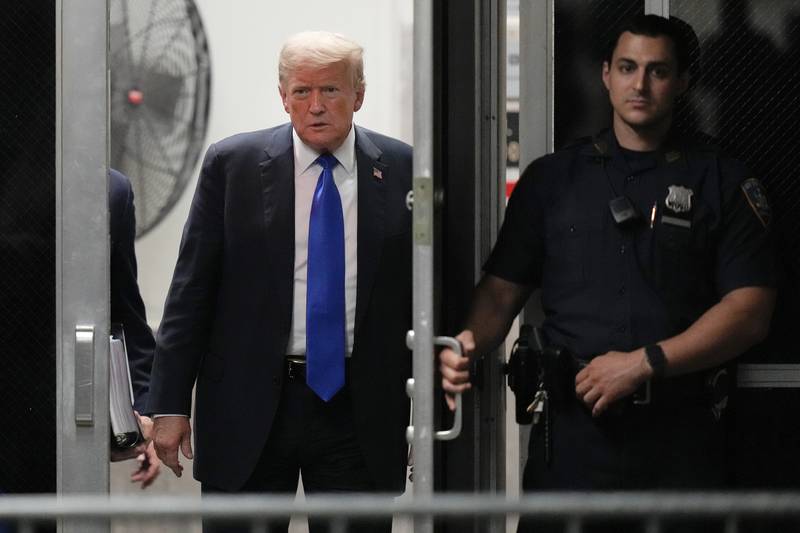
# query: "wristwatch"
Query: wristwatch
656,359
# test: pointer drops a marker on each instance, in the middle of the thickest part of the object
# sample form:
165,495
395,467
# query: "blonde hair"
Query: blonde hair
321,49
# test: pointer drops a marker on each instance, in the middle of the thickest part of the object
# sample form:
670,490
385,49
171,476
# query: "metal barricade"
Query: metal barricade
652,509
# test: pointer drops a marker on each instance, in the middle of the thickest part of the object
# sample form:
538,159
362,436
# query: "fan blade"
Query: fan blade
161,92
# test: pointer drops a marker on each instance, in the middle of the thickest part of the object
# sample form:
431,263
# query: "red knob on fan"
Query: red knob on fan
135,96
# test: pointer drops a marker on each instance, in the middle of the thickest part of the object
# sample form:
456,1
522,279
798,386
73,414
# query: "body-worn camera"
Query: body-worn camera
623,211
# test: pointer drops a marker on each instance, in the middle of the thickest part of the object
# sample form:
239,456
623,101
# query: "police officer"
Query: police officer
652,254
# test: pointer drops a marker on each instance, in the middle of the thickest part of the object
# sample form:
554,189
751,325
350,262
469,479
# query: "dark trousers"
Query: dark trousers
640,448
314,438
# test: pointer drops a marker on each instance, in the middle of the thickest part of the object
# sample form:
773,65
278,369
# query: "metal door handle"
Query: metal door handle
455,430
84,375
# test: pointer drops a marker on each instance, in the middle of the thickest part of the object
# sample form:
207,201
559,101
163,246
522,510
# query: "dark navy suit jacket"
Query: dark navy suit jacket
228,313
127,307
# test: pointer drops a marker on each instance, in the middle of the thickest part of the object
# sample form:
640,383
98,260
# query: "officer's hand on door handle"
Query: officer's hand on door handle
455,368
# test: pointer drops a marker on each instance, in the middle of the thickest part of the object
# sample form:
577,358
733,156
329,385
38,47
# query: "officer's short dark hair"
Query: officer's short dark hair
655,26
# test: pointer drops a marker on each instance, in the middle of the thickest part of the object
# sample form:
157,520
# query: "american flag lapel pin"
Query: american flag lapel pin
377,173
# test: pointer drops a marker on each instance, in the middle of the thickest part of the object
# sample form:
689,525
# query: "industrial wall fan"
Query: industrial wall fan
160,84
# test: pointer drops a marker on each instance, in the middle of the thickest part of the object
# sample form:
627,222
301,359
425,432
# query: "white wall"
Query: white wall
244,38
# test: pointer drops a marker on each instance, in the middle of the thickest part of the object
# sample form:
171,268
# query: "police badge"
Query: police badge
679,199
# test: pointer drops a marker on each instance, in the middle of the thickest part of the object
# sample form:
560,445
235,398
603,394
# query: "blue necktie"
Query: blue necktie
325,307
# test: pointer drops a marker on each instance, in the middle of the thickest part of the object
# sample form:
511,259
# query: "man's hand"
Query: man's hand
611,377
146,423
149,466
455,368
169,433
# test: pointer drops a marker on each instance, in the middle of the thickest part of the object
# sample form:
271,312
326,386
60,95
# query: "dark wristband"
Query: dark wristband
656,359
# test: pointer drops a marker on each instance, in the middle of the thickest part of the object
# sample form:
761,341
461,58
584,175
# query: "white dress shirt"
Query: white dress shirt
306,175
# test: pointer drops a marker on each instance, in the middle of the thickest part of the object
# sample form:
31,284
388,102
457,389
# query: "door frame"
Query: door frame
82,249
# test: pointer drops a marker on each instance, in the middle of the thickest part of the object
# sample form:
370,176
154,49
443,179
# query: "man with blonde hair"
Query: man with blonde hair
291,298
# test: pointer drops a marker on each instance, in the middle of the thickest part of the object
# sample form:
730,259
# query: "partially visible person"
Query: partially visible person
127,308
652,253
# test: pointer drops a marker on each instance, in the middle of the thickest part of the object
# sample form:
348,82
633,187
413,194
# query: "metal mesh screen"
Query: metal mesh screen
583,30
745,95
27,249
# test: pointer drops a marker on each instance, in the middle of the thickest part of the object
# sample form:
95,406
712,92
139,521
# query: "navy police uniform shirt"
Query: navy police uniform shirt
701,233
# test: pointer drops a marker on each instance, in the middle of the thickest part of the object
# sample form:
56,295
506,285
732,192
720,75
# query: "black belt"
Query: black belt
295,367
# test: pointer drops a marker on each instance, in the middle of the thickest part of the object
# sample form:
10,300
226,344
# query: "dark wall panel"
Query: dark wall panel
27,248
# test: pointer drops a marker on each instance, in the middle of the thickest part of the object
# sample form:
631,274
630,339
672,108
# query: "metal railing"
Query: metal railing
571,509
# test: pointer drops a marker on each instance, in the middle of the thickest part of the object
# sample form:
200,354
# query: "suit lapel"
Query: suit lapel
371,205
277,186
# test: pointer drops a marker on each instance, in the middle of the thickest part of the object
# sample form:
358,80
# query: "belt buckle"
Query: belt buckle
294,369
639,399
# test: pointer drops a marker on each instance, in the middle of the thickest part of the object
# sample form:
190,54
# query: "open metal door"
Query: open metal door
459,103
82,250
421,339
54,250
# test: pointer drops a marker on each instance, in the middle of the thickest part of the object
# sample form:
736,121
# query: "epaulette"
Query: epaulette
593,147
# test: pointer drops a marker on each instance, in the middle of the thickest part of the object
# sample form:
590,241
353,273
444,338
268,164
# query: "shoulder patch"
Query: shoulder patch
757,198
